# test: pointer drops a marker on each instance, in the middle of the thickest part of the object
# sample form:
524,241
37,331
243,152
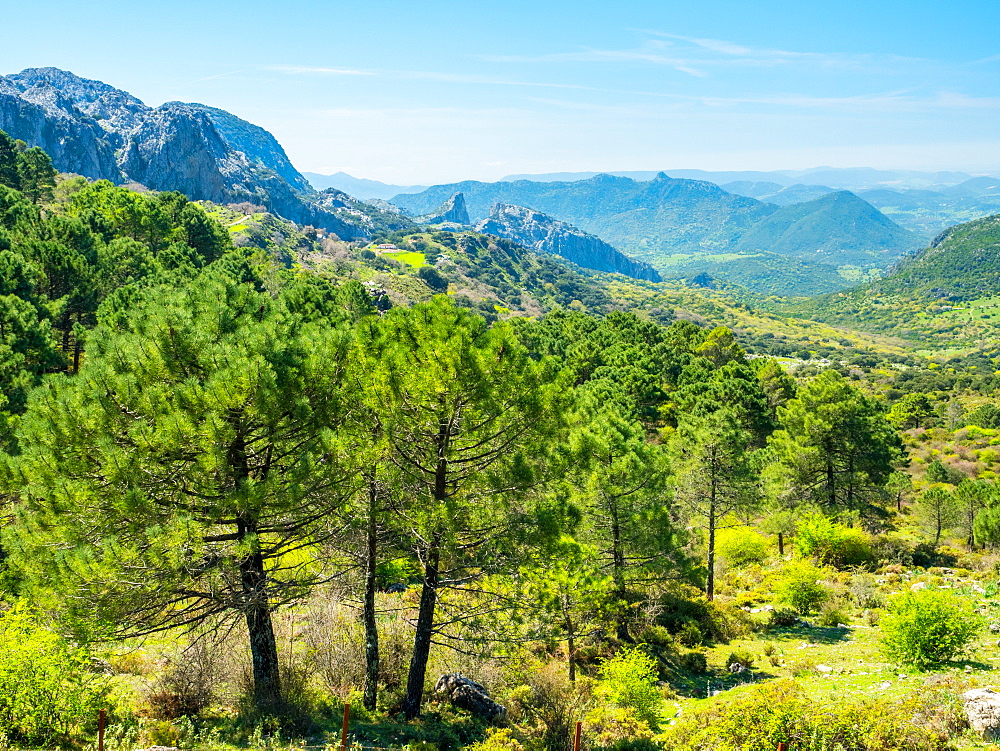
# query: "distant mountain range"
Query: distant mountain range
948,291
838,177
683,227
359,187
777,232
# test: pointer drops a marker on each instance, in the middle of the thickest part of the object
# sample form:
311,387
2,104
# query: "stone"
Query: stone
92,129
466,694
544,234
982,706
995,628
452,211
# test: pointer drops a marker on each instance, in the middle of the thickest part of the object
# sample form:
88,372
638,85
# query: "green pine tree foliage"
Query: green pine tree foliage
716,475
467,415
188,469
836,449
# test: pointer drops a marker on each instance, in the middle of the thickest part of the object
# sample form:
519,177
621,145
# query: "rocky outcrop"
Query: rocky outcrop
547,235
100,132
452,211
465,693
982,706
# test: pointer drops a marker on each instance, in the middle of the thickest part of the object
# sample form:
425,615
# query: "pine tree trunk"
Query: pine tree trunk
263,646
618,572
424,631
570,628
368,615
710,582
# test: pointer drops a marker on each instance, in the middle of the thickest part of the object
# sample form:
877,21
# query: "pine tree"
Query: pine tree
836,449
465,412
168,482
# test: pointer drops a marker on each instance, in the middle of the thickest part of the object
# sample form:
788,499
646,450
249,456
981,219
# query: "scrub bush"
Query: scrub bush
48,693
928,627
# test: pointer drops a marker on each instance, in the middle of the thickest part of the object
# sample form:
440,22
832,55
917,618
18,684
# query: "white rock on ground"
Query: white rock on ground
982,705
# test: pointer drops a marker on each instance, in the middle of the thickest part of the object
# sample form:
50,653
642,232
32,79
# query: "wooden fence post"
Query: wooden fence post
782,746
576,737
343,735
101,716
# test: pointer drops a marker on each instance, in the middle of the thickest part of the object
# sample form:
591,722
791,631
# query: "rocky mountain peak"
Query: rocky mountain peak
544,234
95,130
452,211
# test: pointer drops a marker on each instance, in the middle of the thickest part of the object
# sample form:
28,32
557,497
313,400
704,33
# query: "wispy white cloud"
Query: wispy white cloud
313,70
696,55
882,102
217,75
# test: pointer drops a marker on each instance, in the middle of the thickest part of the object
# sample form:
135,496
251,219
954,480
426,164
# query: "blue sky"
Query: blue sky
434,91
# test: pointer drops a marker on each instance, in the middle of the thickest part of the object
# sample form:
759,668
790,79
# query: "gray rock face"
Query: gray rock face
95,130
452,211
545,234
465,693
982,705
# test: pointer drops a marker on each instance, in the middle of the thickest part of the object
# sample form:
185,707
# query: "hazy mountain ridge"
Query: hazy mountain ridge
683,227
547,235
360,187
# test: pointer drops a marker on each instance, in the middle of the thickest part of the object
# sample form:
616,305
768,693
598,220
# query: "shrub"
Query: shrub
497,739
757,718
783,618
832,614
629,680
690,635
610,727
928,627
693,662
800,587
740,657
48,692
188,686
864,591
548,706
742,546
831,543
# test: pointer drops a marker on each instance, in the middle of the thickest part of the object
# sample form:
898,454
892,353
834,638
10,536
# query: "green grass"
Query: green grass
416,260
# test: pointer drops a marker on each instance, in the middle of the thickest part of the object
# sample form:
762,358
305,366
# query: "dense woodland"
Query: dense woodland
240,487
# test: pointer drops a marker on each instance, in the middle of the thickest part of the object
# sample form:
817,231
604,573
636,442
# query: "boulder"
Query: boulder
982,705
466,694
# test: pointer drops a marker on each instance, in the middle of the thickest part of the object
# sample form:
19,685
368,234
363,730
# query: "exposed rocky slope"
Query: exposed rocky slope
452,211
545,234
100,132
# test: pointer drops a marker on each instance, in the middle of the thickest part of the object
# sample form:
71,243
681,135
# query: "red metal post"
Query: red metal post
343,735
576,737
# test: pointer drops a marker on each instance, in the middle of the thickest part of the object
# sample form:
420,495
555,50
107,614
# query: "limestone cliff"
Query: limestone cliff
100,132
545,234
452,211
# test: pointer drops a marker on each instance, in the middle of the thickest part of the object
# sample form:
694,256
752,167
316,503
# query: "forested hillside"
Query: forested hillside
252,472
686,227
944,294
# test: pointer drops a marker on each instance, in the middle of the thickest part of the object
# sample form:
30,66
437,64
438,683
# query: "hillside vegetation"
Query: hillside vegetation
250,472
944,295
684,227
